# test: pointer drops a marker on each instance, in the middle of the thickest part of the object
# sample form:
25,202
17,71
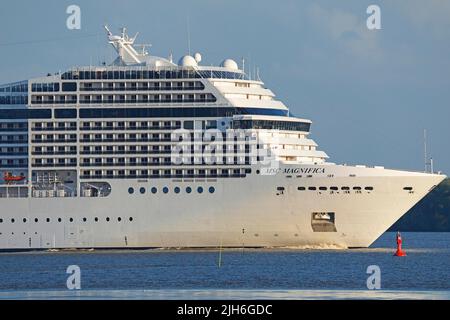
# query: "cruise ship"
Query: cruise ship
149,153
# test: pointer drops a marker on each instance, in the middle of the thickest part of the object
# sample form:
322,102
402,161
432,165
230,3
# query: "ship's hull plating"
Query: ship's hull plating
241,212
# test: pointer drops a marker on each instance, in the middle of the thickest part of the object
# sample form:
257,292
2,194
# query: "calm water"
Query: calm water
427,267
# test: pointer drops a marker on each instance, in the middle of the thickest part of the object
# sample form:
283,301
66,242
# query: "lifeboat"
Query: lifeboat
9,177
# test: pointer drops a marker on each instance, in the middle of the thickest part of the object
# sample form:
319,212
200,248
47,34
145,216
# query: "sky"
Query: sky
369,93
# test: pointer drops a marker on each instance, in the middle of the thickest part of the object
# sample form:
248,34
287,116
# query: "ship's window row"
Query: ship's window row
54,150
19,87
13,151
45,87
13,163
13,100
53,138
126,137
334,188
51,99
148,137
112,99
167,173
48,220
154,112
184,139
149,74
182,159
13,126
50,162
130,125
130,161
141,86
188,150
111,86
13,138
271,125
143,98
53,126
177,190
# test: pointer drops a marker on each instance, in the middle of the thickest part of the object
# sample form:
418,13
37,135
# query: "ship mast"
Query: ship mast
123,45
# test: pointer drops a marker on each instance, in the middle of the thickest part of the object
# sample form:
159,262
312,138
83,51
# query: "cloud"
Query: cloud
431,16
347,30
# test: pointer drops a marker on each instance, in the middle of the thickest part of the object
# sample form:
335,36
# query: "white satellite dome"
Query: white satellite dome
229,64
198,57
187,61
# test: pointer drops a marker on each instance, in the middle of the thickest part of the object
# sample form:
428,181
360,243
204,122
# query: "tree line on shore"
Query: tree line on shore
432,213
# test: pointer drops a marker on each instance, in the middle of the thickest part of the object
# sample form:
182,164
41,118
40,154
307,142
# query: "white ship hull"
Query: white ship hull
242,212
74,145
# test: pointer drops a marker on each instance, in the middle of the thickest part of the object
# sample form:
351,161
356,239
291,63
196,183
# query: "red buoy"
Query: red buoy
399,252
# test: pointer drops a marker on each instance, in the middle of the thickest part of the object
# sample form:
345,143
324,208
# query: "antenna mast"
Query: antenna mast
189,36
425,149
429,165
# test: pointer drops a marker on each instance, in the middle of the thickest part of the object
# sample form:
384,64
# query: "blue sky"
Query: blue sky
369,94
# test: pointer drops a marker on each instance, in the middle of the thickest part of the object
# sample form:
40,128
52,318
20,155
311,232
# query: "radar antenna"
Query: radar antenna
124,45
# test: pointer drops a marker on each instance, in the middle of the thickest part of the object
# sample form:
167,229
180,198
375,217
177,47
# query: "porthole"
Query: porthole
107,219
36,220
1,220
12,220
154,190
96,219
257,171
48,219
24,220
142,190
119,219
165,190
130,190
312,188
84,219
176,190
200,189
301,188
59,220
131,219
212,189
188,189
71,219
